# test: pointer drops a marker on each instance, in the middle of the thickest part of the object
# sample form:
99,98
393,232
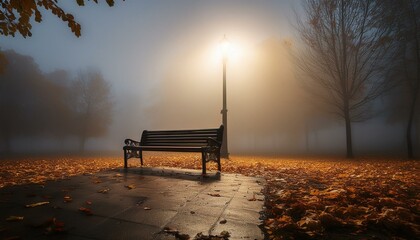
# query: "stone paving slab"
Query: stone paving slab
138,203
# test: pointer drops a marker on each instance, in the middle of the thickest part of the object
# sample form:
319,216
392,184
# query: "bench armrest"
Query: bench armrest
131,142
213,142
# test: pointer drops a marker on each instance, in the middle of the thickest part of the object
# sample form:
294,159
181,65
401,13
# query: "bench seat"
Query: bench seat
206,141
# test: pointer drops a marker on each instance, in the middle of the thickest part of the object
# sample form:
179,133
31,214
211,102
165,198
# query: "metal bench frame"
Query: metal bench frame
206,141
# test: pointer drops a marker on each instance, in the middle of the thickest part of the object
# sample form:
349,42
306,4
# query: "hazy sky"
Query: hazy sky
138,44
134,41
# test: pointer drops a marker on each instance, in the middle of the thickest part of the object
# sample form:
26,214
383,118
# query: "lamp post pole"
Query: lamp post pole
224,151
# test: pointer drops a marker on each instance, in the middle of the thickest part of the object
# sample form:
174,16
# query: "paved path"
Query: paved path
138,204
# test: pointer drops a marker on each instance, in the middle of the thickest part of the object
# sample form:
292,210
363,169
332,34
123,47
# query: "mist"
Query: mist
164,70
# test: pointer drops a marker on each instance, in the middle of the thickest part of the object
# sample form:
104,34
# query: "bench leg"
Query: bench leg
219,165
203,156
141,156
125,159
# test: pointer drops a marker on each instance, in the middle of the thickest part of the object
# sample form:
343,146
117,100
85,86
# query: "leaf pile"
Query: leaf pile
365,198
327,198
38,170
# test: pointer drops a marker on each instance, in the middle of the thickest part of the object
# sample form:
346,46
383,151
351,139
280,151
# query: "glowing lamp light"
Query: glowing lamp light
225,47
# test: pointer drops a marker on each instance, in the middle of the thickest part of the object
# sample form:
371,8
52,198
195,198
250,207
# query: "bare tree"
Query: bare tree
21,98
92,104
406,15
344,55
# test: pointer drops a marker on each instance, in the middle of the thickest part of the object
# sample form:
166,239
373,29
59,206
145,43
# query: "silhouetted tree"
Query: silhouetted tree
17,16
92,104
58,110
344,56
3,62
22,98
405,15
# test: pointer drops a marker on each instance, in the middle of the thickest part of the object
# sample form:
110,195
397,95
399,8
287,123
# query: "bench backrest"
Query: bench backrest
197,137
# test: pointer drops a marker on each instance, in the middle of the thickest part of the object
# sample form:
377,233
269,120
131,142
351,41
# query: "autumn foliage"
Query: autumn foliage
305,198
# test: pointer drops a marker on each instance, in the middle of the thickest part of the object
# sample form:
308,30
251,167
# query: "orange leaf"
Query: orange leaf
87,211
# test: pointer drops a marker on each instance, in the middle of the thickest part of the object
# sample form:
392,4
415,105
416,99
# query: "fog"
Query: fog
164,69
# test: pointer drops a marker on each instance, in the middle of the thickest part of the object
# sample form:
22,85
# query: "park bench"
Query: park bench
206,141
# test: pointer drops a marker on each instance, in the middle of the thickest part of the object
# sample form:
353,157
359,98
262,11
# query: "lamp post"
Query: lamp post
224,151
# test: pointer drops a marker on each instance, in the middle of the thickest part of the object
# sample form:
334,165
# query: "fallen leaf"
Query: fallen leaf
58,223
170,230
105,190
86,211
329,221
67,199
88,202
179,236
214,194
225,234
147,208
253,198
14,218
36,204
224,221
131,186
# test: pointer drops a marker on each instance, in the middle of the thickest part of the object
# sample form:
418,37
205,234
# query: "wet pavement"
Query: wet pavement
140,203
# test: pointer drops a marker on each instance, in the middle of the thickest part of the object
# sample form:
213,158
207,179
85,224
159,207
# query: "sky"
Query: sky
162,60
133,42
136,43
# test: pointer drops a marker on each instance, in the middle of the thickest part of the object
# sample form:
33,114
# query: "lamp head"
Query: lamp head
225,47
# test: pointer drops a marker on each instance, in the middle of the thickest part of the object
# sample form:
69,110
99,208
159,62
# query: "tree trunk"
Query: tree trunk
7,143
408,132
349,142
349,139
307,137
82,144
413,106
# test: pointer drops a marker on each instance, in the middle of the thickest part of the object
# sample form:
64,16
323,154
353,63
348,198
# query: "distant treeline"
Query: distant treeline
54,105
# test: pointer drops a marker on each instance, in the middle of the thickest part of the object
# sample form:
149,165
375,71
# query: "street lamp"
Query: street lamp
225,50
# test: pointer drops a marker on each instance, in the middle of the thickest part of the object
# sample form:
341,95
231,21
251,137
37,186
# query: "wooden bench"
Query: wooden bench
206,141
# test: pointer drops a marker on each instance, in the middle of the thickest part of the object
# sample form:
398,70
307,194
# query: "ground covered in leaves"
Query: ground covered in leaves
305,198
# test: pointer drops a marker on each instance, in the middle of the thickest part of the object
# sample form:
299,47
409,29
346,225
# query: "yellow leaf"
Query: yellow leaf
14,218
36,204
67,199
106,190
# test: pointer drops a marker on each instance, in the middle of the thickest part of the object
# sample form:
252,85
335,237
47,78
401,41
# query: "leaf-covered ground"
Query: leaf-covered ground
305,198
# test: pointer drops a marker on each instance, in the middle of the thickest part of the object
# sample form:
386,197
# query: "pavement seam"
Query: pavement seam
181,208
221,214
